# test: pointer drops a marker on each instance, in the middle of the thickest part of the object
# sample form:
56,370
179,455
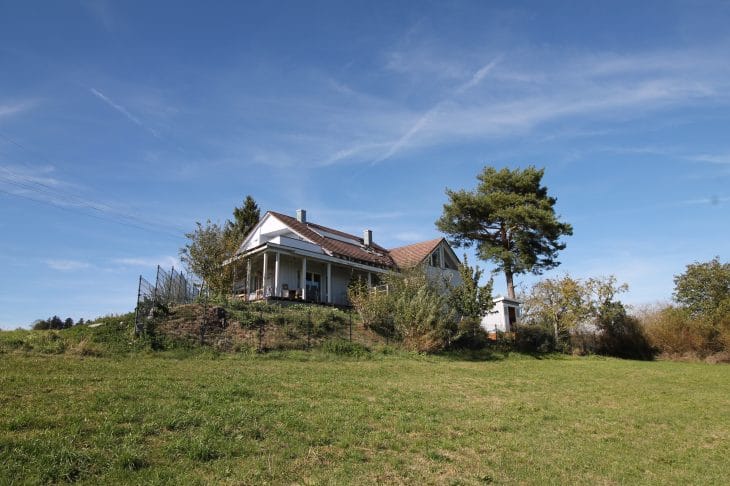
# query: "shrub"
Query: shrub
674,331
469,334
621,335
85,349
534,338
413,310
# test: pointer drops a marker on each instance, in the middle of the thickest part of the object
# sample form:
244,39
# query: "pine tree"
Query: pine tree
511,220
244,219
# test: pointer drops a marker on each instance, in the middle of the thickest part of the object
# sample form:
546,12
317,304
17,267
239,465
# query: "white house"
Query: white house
503,317
285,257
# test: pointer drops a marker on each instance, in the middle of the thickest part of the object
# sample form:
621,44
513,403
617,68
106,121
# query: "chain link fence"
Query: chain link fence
264,326
170,288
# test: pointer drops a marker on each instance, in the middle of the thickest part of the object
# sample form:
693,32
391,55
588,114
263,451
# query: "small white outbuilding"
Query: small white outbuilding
503,316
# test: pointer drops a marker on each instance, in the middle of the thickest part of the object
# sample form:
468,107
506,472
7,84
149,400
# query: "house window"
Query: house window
314,285
435,259
449,262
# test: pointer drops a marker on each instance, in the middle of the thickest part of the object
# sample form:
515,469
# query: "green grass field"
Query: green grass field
314,418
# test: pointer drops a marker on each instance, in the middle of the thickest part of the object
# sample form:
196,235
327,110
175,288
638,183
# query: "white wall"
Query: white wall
498,318
269,229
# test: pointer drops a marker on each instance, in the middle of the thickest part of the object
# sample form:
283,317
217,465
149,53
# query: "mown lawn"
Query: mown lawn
316,419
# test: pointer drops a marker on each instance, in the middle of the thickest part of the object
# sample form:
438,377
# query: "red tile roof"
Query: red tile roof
411,255
373,255
397,258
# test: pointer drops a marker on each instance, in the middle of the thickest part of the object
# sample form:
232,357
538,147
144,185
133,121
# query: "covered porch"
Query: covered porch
280,273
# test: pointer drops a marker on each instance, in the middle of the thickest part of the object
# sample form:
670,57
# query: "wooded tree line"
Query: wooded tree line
571,314
56,322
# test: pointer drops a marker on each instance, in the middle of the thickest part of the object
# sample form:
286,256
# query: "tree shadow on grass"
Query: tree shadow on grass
497,354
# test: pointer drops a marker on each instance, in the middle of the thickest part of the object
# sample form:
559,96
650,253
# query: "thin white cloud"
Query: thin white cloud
522,98
149,262
123,111
719,159
20,177
67,265
478,76
9,109
421,122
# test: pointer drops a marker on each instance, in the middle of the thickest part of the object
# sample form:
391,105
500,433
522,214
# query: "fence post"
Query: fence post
137,330
309,328
170,291
204,324
157,283
261,330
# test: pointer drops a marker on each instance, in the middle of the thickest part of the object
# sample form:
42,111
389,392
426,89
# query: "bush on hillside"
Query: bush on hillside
621,335
673,331
413,311
700,323
534,338
469,335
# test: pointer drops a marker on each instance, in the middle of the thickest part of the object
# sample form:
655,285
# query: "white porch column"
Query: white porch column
276,275
248,277
370,280
329,283
263,274
303,280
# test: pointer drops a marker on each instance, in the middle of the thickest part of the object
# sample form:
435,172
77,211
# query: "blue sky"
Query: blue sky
123,123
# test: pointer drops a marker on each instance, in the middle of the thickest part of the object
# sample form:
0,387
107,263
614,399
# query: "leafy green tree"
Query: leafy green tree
244,219
704,288
204,255
210,246
68,323
41,324
470,299
511,220
561,304
566,304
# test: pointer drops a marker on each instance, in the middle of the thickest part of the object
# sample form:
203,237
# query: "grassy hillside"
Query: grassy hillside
315,418
235,327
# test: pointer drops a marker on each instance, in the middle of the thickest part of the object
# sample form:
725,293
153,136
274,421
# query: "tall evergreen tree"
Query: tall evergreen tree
244,219
511,220
55,322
